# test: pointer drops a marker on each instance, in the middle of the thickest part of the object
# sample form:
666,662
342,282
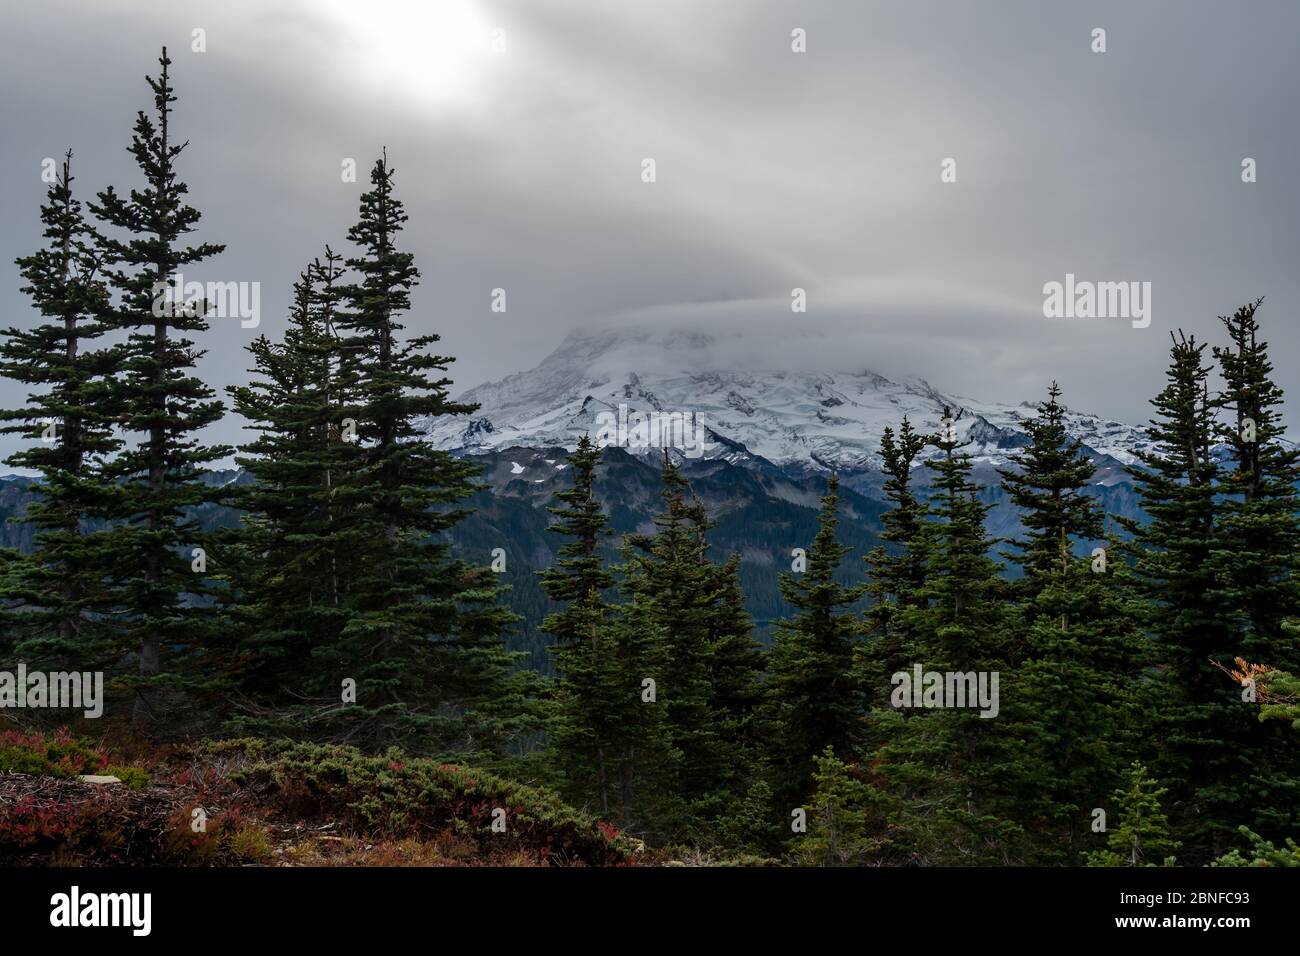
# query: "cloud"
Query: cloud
521,170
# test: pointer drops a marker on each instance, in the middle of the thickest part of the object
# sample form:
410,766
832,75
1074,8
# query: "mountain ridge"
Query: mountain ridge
800,422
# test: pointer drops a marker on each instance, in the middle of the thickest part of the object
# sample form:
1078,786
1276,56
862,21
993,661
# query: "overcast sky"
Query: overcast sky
521,168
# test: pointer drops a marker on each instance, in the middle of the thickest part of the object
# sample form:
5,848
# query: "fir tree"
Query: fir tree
1178,488
1262,853
1284,687
422,636
287,566
649,799
1082,682
1279,690
815,698
672,678
1047,487
1258,563
1256,559
156,396
580,566
965,593
952,770
672,578
1221,777
836,814
60,588
897,569
736,665
1143,836
594,697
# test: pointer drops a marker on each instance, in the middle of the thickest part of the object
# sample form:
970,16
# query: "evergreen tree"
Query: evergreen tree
1280,690
815,697
1143,835
836,814
1258,562
1047,487
59,590
897,569
594,696
1082,683
157,477
620,684
1221,778
964,590
736,669
658,695
1276,691
422,636
579,568
1262,853
287,565
672,579
1284,690
951,770
734,663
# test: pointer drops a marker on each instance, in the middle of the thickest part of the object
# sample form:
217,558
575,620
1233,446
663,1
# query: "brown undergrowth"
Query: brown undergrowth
258,803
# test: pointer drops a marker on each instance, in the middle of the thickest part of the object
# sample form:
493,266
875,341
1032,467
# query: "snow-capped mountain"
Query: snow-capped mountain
795,420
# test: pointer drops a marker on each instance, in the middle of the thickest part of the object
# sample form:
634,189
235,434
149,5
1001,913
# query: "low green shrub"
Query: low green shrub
133,777
56,755
1261,853
400,796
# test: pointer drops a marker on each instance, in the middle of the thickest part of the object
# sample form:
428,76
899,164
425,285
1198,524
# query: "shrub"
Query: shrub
133,777
183,845
1262,853
400,796
57,755
35,824
249,844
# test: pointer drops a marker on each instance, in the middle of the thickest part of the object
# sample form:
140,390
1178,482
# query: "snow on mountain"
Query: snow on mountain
795,420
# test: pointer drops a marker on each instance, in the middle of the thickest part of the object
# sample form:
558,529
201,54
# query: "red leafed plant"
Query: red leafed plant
610,831
58,754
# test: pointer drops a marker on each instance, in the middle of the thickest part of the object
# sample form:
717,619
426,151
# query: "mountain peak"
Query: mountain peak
806,420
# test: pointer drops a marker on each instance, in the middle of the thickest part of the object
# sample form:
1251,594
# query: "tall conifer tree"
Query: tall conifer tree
60,588
1256,560
288,564
672,578
952,769
736,665
1082,683
422,639
1259,522
1216,781
897,569
596,697
815,697
157,397
1047,487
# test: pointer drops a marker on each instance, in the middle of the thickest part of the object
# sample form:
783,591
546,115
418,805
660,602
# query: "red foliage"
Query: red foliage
36,822
610,831
59,753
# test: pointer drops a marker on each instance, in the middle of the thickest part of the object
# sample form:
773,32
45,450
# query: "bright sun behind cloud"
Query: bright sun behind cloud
433,49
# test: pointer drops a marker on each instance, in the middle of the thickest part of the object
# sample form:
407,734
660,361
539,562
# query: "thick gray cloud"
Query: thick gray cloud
521,169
